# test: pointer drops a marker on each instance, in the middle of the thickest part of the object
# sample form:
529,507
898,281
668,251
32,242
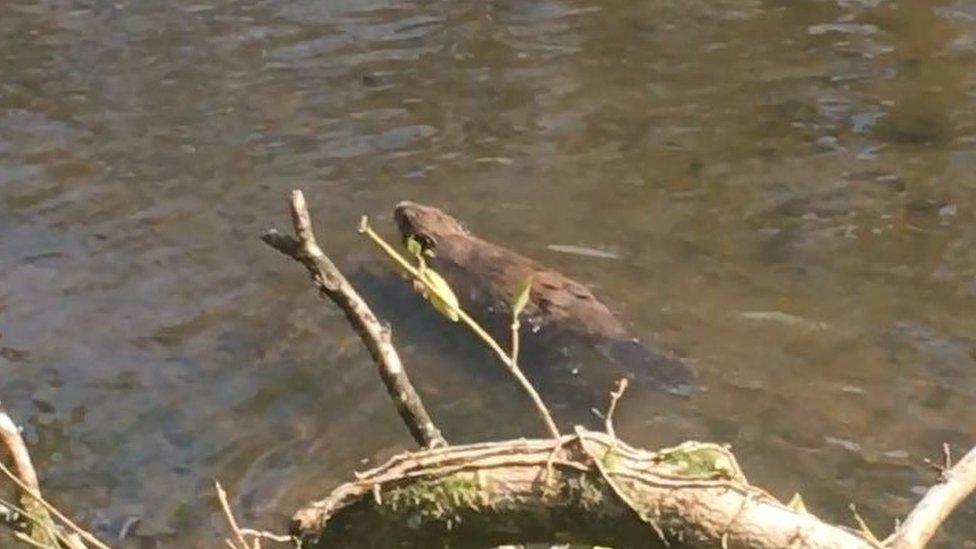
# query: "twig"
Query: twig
516,325
332,284
41,527
13,515
505,358
863,527
946,464
25,539
956,484
54,511
22,465
239,540
34,507
229,517
614,397
280,538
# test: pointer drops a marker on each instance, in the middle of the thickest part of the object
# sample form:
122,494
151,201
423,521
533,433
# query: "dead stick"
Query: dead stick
229,516
24,470
332,284
956,484
264,534
25,477
22,465
84,534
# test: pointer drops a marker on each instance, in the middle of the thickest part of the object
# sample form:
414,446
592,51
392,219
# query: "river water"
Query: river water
781,192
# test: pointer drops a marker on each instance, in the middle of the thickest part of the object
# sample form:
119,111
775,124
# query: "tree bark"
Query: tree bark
375,336
956,483
589,488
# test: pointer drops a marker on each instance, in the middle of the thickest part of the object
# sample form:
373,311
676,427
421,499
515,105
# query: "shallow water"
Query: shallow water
782,192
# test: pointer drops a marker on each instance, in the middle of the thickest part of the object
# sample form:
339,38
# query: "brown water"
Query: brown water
788,188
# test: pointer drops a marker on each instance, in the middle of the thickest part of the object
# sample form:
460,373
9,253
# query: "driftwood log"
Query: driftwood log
589,487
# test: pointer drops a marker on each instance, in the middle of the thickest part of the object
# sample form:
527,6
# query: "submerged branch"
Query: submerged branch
240,535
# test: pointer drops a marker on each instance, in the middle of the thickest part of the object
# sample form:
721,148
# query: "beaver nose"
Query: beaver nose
401,214
405,205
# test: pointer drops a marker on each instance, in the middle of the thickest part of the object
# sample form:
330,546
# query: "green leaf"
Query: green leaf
796,503
441,296
413,246
522,297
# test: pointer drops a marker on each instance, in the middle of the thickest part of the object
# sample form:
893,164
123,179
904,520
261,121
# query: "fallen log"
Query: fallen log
587,488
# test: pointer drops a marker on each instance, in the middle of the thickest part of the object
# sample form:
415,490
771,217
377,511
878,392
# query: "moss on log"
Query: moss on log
586,488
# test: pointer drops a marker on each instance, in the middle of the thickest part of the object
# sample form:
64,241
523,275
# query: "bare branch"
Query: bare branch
240,535
516,326
332,284
956,483
22,465
264,534
35,507
39,528
229,517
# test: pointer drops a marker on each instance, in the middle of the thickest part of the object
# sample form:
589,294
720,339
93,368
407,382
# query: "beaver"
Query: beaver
485,277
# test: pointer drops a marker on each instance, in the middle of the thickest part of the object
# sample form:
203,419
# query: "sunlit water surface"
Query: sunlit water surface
784,192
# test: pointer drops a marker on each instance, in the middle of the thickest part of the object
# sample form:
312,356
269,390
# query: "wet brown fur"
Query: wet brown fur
486,276
482,272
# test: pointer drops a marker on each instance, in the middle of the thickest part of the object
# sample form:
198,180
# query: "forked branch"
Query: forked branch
332,284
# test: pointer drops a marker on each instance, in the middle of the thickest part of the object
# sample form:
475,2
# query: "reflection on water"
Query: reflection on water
785,190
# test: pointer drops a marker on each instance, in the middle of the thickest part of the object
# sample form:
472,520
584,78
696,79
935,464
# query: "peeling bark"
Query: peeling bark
589,488
376,337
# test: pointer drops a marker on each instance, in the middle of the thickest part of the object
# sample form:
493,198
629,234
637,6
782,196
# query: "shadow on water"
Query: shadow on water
573,376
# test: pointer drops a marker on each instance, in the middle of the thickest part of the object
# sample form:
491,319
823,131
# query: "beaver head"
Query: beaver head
426,223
